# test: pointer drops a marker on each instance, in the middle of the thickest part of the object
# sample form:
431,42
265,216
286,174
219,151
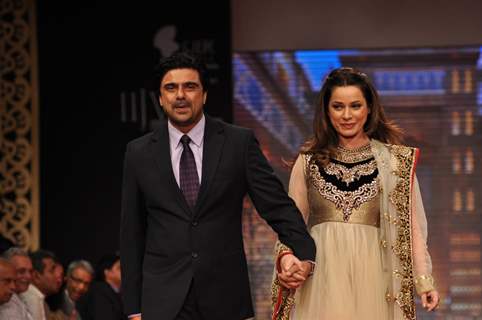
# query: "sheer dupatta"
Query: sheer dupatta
403,229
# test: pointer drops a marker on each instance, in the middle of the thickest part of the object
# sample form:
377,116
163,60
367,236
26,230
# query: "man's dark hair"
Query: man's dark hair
181,60
106,262
37,259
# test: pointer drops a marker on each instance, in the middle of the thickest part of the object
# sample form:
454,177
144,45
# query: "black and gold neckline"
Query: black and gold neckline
348,180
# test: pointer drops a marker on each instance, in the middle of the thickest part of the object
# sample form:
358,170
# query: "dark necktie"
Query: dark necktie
188,178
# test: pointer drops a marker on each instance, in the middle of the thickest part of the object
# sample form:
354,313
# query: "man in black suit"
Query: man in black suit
181,243
103,300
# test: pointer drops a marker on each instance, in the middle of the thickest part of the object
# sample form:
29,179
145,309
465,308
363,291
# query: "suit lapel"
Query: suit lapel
212,149
160,151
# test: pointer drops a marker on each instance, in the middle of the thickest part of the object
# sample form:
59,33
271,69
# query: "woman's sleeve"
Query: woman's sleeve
282,298
421,258
297,187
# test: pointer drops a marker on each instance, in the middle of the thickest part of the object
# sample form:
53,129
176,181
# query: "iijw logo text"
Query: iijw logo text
140,107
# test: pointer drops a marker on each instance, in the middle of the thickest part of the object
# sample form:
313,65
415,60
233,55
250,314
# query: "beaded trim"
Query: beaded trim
400,198
348,175
346,201
424,283
353,155
282,300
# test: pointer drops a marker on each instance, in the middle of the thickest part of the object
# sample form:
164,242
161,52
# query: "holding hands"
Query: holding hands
292,272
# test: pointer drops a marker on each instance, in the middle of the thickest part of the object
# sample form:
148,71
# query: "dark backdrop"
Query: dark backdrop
94,63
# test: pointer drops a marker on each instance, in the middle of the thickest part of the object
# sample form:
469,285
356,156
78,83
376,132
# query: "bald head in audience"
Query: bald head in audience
7,280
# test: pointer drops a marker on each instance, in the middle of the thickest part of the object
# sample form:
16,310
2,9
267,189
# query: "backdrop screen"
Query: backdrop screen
434,95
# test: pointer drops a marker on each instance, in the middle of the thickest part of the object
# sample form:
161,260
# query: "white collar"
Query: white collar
34,290
196,134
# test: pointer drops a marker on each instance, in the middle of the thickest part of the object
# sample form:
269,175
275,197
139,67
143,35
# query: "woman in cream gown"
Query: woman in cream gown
357,190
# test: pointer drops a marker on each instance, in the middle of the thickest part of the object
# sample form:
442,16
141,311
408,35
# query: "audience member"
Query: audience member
7,281
77,282
103,301
44,283
16,309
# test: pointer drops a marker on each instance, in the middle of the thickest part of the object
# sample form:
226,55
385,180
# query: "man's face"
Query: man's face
23,265
59,275
114,274
78,283
8,276
182,98
47,281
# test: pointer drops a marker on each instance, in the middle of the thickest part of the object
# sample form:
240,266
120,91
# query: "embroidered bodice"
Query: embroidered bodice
346,189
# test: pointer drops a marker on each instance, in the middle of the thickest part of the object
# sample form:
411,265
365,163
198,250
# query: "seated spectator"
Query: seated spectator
103,300
16,309
44,284
7,281
59,273
54,301
77,282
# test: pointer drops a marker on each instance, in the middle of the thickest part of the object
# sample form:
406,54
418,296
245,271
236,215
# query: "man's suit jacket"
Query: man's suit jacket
67,306
101,302
165,245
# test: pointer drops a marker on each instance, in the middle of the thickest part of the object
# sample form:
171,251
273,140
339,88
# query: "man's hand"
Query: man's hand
293,271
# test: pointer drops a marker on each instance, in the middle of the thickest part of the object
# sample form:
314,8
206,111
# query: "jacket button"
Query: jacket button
194,255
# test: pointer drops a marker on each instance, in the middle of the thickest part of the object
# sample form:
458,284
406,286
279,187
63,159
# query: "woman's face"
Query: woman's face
348,112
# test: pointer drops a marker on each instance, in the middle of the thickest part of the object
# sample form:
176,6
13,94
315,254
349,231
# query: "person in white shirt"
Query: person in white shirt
44,283
16,309
7,281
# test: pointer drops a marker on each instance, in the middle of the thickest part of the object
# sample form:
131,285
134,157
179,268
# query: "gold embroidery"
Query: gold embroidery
400,197
307,164
386,216
397,274
281,248
344,200
389,298
383,243
353,155
322,210
348,175
286,303
287,300
424,283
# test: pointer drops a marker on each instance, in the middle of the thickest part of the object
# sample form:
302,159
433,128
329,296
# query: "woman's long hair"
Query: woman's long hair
325,140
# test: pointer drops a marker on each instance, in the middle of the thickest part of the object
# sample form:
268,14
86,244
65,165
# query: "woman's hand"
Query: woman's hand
430,300
293,272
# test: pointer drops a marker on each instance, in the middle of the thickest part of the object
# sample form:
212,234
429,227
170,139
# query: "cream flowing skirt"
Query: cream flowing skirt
347,283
